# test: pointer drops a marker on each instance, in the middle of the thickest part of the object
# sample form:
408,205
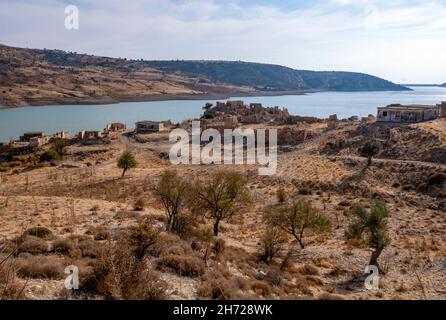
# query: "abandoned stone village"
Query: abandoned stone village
89,207
293,129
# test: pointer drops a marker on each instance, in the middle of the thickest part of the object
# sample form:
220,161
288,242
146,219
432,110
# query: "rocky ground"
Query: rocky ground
85,204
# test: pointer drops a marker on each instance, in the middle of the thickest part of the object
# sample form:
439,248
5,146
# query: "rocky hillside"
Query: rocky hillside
39,77
267,77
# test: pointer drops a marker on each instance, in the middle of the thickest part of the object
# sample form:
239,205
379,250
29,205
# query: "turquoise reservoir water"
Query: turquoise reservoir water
73,118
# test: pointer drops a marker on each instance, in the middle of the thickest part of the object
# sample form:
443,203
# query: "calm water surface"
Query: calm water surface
50,119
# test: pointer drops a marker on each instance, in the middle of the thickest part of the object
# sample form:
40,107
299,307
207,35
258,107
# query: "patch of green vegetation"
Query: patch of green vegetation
268,77
39,232
50,156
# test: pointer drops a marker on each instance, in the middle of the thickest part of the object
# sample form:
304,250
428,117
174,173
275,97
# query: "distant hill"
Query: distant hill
443,85
40,77
267,77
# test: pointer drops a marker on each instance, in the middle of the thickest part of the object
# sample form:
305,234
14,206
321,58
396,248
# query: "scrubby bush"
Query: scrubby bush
218,247
261,287
371,227
305,190
139,205
309,269
63,246
126,162
281,195
271,242
10,288
169,243
369,150
99,233
50,156
141,237
118,274
274,276
187,266
7,246
89,248
171,191
32,245
184,226
40,267
40,232
220,288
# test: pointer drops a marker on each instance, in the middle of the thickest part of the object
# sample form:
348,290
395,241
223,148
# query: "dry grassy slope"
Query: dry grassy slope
35,77
62,199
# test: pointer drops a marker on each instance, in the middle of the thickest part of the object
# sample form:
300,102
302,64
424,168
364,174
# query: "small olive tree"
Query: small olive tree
371,227
220,197
369,150
171,191
60,146
126,162
295,218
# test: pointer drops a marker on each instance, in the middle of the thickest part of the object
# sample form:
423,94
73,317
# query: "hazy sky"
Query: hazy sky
403,41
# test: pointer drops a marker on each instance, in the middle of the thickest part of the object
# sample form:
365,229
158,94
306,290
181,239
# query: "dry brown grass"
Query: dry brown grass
63,246
221,288
330,296
32,245
187,266
10,288
40,267
89,248
119,274
261,288
309,269
99,233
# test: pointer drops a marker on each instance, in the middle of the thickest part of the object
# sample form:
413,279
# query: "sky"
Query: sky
399,40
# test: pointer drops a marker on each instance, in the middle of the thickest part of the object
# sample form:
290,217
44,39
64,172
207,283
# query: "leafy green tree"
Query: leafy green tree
220,197
171,190
50,155
60,146
296,218
369,150
126,162
371,227
208,106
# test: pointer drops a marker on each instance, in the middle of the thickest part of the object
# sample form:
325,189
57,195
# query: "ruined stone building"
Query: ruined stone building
62,135
36,142
407,113
146,127
254,113
442,109
27,136
220,123
115,127
85,135
332,122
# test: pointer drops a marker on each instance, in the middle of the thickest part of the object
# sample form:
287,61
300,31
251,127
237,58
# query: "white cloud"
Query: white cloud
401,42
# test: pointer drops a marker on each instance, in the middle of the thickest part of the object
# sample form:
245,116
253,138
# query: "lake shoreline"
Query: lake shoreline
76,117
81,101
